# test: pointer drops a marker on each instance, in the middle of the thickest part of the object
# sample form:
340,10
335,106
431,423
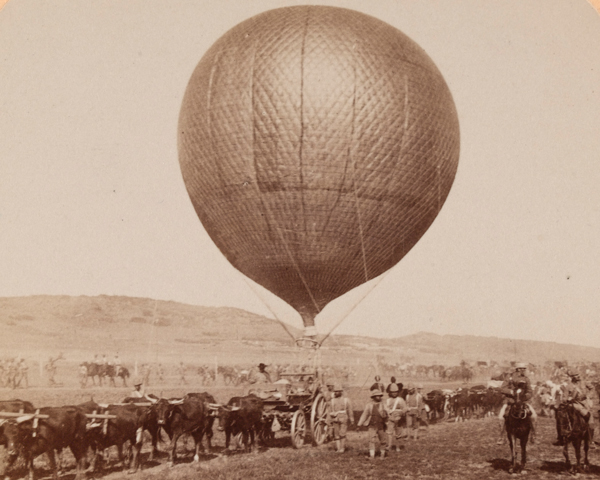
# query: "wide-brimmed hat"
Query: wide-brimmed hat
261,365
338,388
137,381
410,386
376,393
393,388
520,365
574,375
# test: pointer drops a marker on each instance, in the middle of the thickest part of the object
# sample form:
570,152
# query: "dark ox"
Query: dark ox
177,417
64,427
129,424
13,406
436,400
207,399
241,415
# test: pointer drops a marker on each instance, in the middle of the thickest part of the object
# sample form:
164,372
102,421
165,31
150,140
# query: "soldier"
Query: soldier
396,408
340,413
328,393
579,394
517,381
374,416
414,404
377,385
423,413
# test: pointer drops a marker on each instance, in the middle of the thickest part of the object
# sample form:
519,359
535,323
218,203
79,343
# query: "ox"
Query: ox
241,415
63,427
207,399
436,400
129,424
176,417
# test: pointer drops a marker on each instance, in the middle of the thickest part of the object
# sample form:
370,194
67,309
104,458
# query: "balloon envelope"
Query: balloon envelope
317,145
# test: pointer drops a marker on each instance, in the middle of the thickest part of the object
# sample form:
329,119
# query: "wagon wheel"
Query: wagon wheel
298,429
318,420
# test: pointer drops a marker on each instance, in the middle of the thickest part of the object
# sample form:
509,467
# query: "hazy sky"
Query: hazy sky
92,200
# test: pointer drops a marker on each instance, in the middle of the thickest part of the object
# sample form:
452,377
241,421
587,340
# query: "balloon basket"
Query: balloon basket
308,343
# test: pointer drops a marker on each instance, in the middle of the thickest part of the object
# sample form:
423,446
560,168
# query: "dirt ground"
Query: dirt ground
465,450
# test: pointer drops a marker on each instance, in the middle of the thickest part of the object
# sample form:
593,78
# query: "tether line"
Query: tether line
375,283
267,305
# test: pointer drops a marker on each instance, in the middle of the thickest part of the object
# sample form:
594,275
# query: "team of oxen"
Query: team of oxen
89,429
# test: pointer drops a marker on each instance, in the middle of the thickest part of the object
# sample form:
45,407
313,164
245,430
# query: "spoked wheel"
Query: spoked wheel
298,429
318,420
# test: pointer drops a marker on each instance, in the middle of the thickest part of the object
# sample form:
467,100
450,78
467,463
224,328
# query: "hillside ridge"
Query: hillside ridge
147,327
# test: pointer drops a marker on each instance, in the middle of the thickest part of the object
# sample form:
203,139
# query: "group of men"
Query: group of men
116,361
14,373
518,388
385,421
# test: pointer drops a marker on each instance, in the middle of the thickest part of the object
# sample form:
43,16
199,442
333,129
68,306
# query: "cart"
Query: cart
300,411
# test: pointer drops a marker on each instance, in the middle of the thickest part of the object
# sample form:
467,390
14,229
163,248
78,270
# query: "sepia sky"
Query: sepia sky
92,200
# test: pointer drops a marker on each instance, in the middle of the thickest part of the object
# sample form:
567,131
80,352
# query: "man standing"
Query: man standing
414,404
374,416
396,408
340,413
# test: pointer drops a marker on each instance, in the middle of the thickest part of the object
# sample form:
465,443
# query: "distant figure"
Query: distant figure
139,391
117,363
161,373
51,371
181,374
262,376
146,374
377,385
23,371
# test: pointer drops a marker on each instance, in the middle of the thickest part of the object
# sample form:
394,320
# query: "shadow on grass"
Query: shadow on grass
561,467
500,464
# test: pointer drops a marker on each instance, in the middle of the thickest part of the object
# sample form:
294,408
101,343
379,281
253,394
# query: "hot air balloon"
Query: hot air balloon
317,145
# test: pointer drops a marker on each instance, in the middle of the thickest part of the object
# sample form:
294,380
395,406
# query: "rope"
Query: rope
375,283
267,305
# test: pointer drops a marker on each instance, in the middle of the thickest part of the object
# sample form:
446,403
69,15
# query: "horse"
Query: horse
111,373
94,370
518,427
573,428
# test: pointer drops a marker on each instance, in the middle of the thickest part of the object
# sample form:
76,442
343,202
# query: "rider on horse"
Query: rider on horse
577,393
518,380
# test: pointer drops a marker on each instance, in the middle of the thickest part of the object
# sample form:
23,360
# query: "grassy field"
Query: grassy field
449,450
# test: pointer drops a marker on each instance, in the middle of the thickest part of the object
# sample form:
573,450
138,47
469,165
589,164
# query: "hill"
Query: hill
144,329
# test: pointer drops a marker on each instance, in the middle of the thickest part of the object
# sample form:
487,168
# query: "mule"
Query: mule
573,428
